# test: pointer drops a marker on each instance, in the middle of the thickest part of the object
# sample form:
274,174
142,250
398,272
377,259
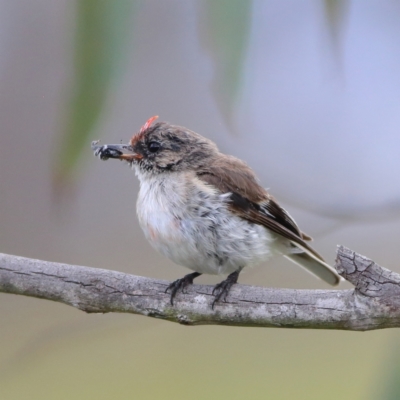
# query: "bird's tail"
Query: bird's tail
316,266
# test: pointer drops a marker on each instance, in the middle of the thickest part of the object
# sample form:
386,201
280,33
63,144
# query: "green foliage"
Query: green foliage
335,11
226,29
101,30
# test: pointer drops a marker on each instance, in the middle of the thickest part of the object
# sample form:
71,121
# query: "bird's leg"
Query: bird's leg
221,290
181,284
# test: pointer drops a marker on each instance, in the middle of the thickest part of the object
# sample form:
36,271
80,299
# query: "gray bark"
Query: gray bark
374,303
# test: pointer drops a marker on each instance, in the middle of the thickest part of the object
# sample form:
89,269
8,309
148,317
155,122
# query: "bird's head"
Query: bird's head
161,147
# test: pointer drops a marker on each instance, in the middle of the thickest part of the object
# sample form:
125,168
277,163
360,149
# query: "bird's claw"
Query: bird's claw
222,289
174,287
181,284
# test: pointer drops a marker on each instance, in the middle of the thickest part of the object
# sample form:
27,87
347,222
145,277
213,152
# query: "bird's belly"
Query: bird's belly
218,243
163,231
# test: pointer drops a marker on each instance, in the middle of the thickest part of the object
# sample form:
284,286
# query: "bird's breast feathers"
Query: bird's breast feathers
188,221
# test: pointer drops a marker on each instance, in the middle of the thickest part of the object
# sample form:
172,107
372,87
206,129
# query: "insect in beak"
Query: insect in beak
116,151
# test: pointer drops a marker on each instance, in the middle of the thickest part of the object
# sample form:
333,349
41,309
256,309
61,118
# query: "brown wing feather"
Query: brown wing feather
259,218
229,174
281,215
250,201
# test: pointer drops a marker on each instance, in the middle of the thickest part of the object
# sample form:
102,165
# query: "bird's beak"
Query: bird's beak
117,151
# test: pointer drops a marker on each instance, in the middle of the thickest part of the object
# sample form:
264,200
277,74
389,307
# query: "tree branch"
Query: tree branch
374,303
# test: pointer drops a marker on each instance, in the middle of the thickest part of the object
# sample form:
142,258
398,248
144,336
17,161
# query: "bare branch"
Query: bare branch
374,303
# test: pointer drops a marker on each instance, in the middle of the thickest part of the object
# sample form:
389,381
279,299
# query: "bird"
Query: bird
206,210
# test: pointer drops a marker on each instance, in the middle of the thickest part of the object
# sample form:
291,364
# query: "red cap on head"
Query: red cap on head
148,123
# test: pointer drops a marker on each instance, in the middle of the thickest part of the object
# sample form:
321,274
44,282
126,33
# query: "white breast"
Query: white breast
189,222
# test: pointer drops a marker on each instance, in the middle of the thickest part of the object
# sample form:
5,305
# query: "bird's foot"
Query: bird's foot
221,290
180,284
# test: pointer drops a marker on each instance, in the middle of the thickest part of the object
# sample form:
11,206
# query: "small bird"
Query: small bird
206,210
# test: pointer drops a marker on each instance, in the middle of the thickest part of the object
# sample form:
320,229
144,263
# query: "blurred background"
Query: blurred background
308,93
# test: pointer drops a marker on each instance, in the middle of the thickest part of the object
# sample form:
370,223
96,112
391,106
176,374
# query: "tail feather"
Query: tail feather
316,266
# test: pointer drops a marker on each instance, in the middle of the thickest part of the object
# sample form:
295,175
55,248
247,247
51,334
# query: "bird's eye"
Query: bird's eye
154,147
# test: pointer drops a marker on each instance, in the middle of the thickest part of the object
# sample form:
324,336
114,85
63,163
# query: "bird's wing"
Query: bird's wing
250,201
